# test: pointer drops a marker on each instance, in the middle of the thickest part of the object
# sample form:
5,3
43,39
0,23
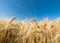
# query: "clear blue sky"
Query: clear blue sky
22,9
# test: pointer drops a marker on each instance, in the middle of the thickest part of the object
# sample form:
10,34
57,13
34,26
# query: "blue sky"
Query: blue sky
22,9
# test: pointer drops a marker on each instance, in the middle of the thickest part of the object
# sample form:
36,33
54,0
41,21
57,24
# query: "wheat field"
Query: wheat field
30,31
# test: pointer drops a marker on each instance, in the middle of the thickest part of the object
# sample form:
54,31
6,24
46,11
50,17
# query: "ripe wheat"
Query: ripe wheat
31,31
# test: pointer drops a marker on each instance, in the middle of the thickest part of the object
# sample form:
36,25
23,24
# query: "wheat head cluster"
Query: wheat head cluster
30,31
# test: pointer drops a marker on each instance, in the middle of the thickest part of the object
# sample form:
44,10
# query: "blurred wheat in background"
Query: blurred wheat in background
46,31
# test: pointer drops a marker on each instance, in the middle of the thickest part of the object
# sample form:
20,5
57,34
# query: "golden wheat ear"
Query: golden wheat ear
12,19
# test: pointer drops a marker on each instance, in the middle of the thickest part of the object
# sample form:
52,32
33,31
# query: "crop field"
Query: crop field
30,31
